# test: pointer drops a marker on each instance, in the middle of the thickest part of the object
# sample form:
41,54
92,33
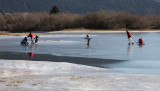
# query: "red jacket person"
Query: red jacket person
129,37
31,35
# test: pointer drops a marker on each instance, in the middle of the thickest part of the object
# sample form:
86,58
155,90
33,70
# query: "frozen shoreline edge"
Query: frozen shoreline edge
32,75
55,66
78,32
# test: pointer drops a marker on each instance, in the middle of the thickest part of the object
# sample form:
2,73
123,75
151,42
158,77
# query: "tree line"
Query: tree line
25,22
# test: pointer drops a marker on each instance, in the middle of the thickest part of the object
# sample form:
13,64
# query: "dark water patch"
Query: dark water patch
51,58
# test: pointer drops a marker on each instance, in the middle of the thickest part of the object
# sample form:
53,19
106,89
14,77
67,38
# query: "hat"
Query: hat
87,35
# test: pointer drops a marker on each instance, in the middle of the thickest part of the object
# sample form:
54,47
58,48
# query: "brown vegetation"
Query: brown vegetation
25,22
3,33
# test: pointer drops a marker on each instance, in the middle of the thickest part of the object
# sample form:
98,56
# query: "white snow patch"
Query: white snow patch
24,75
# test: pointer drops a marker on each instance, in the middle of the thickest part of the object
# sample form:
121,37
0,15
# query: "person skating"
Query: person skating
88,39
129,37
31,35
24,41
140,41
36,39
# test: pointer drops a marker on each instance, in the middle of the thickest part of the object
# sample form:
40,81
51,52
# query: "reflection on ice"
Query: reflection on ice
130,49
31,55
32,52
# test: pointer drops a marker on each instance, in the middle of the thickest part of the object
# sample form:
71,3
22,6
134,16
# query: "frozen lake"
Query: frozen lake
140,59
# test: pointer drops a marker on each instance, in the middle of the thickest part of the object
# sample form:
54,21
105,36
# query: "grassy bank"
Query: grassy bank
42,33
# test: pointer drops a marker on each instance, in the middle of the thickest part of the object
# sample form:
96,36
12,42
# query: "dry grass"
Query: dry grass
17,34
12,34
4,33
71,30
19,82
74,78
82,29
2,80
15,82
34,84
16,85
8,85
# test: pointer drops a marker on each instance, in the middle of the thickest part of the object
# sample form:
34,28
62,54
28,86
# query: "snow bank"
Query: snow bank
19,67
40,76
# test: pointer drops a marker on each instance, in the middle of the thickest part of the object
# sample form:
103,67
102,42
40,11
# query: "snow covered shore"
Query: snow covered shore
21,75
76,31
101,31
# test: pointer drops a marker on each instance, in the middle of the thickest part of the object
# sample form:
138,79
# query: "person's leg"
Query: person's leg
88,41
131,40
32,41
36,40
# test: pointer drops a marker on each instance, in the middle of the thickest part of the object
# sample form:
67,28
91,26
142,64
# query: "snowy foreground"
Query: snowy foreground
19,75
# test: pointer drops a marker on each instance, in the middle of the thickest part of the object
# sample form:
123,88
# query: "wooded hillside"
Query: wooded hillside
81,6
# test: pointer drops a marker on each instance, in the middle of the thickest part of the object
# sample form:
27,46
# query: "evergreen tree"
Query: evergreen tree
55,10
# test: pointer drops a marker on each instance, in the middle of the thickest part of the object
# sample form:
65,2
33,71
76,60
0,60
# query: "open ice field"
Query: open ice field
128,58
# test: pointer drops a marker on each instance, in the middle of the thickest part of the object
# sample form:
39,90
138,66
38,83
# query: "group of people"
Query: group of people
130,39
25,40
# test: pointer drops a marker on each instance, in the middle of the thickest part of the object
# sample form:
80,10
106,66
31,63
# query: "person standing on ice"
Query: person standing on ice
31,35
129,37
140,41
36,39
88,39
25,39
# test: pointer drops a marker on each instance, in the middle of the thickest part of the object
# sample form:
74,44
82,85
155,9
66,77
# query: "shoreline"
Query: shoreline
76,31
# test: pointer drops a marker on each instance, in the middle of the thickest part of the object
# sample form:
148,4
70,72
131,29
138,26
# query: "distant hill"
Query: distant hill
157,0
81,6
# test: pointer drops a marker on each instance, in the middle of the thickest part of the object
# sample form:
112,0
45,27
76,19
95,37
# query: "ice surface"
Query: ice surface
103,45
